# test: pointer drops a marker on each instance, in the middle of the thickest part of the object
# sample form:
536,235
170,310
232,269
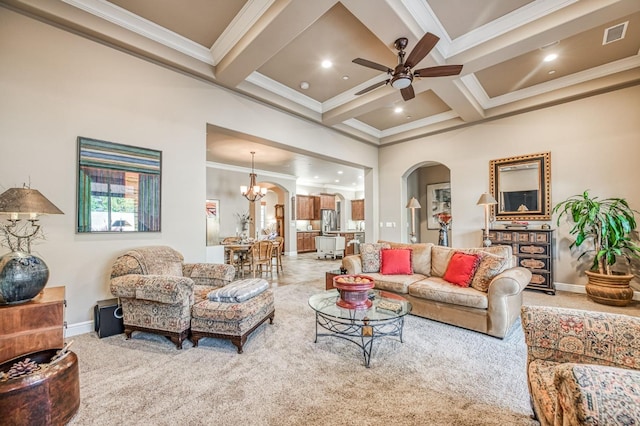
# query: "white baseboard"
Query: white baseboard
575,288
78,328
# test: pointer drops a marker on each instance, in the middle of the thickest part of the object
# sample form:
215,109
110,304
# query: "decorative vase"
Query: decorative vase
613,290
22,277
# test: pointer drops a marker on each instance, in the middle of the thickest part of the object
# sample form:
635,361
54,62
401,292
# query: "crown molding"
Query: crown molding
125,19
232,168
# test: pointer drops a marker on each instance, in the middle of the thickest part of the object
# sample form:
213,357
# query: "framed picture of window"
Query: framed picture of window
438,201
118,187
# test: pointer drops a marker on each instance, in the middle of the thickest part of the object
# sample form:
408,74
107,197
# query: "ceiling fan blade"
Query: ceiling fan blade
424,46
373,86
439,71
408,93
375,66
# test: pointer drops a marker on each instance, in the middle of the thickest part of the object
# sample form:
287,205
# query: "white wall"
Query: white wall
57,86
593,144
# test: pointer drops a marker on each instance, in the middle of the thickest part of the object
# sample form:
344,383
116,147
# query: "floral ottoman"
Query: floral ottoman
233,312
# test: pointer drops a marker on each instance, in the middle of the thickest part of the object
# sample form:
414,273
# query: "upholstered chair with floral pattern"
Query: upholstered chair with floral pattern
157,289
583,368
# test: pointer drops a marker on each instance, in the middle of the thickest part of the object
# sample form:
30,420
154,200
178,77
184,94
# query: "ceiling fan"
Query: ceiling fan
402,75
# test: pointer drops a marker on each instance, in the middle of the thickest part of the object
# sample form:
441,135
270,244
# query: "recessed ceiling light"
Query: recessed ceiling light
304,85
408,117
339,172
337,181
345,77
316,177
326,63
398,110
552,72
550,57
359,177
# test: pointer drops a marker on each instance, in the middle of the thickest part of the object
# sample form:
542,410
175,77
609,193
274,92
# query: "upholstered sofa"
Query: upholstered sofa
157,289
583,368
490,304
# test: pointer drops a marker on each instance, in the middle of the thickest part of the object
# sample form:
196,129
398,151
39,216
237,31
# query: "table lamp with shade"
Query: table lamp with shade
22,274
487,201
413,204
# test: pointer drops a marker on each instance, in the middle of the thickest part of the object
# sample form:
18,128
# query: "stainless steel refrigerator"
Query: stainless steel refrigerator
329,221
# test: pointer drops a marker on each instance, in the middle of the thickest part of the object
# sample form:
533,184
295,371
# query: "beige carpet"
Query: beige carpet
440,375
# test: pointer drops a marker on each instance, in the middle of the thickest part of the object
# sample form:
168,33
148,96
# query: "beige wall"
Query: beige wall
593,144
57,86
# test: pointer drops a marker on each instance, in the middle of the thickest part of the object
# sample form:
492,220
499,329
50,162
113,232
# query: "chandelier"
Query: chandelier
253,192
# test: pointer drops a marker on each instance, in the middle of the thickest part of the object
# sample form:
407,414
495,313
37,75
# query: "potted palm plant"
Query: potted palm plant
608,225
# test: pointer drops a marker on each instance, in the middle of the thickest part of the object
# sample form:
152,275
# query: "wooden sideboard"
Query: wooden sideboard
32,326
534,249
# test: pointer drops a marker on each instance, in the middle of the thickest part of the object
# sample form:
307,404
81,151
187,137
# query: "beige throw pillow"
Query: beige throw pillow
490,266
440,257
370,255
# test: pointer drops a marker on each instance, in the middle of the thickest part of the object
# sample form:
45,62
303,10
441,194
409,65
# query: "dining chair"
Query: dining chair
276,253
260,255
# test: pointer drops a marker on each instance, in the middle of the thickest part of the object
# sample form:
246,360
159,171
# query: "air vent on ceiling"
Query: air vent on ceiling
614,33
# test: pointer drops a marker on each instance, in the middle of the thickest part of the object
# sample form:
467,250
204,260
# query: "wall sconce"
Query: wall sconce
413,204
486,200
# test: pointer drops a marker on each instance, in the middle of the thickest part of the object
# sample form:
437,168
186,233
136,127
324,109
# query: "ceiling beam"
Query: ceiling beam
280,24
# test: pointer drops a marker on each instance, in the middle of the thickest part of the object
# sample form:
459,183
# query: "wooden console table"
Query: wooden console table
34,325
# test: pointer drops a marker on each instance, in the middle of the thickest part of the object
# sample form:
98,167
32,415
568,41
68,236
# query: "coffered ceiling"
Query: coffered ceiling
272,50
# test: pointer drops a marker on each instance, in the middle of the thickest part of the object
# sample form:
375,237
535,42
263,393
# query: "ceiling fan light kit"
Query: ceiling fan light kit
402,76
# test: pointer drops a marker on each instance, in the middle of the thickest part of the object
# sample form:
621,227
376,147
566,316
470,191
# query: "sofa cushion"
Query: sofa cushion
396,283
370,254
420,257
440,257
541,376
501,251
239,291
395,262
596,394
437,289
462,268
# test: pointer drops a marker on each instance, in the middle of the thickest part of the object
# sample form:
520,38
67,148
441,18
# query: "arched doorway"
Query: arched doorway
429,183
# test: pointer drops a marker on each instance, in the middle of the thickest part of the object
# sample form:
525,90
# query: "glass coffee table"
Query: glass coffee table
385,318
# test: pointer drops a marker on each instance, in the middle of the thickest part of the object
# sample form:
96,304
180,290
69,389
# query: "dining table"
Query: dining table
242,251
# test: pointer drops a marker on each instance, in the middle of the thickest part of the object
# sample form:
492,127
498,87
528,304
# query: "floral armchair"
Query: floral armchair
157,289
583,368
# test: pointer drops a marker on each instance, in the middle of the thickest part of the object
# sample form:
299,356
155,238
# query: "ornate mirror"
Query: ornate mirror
521,187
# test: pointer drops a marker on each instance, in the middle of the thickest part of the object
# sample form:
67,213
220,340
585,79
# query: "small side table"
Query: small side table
328,285
34,325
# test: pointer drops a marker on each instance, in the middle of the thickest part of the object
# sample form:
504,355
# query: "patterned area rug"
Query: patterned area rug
440,375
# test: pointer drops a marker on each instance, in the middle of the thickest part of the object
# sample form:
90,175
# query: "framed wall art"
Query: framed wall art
438,201
118,187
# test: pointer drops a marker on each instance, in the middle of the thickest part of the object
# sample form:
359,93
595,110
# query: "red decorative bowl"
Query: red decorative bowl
354,291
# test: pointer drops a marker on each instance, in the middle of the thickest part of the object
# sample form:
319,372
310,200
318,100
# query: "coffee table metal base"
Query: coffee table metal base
361,332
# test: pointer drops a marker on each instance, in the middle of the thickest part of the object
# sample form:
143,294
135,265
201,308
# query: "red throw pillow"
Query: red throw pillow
395,261
461,268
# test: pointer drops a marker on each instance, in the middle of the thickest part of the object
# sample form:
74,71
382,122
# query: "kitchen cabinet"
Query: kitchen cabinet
357,209
306,241
533,250
308,207
327,202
